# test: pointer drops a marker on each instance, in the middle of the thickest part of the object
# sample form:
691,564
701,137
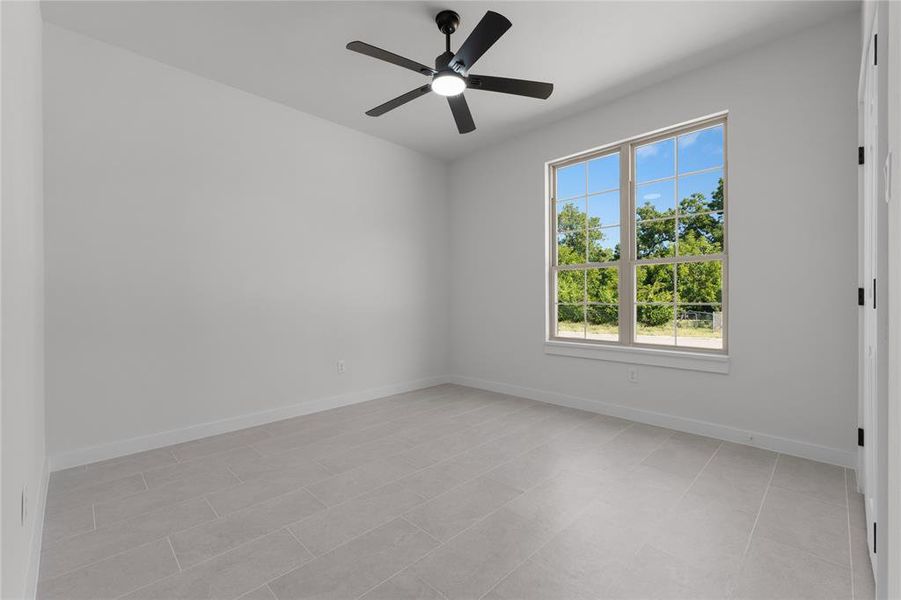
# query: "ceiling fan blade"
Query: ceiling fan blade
394,59
399,101
489,30
505,85
462,116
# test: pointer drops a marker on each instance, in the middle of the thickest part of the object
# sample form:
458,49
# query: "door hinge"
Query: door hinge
875,49
860,436
860,297
874,292
874,537
860,155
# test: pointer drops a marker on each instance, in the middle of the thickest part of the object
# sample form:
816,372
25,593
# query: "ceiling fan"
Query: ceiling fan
451,73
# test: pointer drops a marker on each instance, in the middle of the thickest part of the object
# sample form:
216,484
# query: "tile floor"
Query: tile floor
451,492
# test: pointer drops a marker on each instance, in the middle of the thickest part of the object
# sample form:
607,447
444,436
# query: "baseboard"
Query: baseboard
824,454
92,454
37,536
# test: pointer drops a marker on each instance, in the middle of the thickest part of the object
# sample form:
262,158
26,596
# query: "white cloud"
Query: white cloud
648,151
688,139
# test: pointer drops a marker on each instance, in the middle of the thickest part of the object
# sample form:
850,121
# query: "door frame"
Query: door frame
869,263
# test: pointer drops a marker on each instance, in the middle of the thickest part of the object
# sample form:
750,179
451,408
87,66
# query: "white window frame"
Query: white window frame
627,349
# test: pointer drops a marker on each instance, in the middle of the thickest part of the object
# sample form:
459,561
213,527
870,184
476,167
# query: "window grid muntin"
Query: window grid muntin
627,262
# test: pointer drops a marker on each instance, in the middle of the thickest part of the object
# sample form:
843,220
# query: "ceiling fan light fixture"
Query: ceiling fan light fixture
448,84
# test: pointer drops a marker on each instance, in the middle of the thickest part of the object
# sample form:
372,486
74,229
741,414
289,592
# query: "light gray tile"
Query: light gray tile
738,475
108,470
269,485
591,552
592,521
327,529
448,514
774,571
473,562
818,480
210,539
705,533
857,510
165,495
734,485
644,492
350,484
559,500
862,568
283,443
261,593
798,520
201,466
403,586
591,436
631,446
533,467
71,553
114,576
358,566
656,575
532,581
219,443
851,481
365,453
93,493
683,454
746,461
232,574
64,523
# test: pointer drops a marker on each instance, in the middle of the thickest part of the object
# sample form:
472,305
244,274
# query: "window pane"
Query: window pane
701,149
701,192
603,209
603,244
571,215
655,324
655,238
655,283
603,322
700,326
655,200
570,286
603,285
655,161
700,282
701,234
571,181
571,248
571,320
603,173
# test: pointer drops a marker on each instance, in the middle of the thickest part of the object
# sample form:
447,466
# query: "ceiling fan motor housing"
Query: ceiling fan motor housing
442,62
447,21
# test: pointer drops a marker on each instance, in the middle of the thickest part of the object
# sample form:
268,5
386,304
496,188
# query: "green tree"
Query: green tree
656,231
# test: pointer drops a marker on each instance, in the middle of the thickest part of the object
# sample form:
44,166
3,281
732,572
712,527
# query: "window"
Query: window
638,246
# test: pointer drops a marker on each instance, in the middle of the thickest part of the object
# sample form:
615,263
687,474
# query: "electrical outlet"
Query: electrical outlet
24,511
633,375
341,367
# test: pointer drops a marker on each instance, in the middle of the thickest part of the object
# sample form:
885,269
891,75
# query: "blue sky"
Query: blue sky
697,150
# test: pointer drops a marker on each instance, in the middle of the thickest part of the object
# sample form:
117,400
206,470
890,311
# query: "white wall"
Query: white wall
211,254
793,258
22,297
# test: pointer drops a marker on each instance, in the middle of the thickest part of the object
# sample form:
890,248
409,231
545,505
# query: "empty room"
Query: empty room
407,300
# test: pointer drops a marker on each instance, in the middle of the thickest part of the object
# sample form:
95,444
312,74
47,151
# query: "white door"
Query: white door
868,472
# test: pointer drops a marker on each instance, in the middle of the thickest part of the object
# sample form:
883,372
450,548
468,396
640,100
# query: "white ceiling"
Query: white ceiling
293,52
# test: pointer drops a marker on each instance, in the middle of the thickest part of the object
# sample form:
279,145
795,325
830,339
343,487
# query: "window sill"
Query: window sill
672,359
